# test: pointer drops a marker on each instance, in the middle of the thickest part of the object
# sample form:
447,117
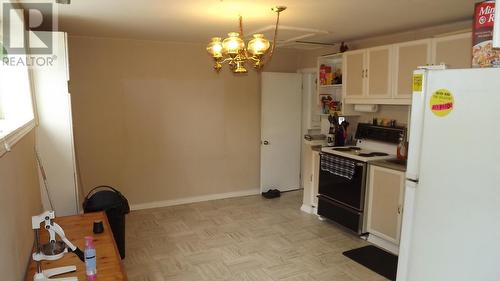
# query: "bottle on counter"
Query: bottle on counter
90,259
402,152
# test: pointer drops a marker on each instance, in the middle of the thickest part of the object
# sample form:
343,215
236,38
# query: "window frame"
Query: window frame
9,140
13,136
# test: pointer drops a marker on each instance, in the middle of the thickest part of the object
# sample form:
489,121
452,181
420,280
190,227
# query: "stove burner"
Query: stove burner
351,148
373,154
379,154
366,155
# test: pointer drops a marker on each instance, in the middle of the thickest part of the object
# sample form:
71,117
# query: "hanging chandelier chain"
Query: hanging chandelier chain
241,27
244,53
274,38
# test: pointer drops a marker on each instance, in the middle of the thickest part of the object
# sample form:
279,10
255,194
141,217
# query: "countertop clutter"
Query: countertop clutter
109,264
315,140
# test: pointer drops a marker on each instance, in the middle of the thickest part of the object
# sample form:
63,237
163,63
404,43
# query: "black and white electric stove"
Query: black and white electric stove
343,174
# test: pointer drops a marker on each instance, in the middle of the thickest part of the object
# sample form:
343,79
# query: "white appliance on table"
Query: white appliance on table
342,199
451,221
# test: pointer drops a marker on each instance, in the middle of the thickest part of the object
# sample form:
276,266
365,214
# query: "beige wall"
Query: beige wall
310,58
19,200
285,60
154,120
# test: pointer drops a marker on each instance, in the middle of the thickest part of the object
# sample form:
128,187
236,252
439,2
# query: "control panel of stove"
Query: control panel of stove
379,133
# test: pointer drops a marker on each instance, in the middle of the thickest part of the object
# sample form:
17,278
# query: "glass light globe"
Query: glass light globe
258,45
214,48
233,44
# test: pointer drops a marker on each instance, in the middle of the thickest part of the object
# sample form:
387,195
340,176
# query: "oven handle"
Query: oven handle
358,164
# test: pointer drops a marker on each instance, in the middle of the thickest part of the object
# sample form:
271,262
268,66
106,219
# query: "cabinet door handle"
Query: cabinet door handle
366,73
400,209
363,73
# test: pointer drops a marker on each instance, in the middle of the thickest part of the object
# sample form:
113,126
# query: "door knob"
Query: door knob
266,143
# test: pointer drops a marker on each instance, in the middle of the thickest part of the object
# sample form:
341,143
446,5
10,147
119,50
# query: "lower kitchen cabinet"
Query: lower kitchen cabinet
385,206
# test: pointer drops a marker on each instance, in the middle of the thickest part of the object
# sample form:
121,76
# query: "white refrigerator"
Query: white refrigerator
451,219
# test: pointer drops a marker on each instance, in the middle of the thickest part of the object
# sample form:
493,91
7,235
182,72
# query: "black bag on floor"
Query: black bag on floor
116,207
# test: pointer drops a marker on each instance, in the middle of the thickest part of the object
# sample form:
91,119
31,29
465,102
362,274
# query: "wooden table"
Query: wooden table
109,264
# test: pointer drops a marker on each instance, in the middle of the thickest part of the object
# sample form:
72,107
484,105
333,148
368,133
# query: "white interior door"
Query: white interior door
281,131
54,134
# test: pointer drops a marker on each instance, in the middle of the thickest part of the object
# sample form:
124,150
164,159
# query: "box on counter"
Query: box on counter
483,53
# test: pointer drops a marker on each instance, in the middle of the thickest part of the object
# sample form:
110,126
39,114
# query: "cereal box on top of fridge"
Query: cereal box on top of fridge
483,53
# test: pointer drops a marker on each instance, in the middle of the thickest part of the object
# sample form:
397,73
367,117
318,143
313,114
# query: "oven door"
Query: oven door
350,193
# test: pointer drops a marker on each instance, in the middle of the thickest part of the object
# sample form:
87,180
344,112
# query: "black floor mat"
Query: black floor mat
380,261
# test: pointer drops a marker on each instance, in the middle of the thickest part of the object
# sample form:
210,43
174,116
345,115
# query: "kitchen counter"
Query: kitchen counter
315,142
390,165
316,148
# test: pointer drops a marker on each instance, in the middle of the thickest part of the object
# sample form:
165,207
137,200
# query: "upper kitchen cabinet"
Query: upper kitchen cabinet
455,51
354,74
369,76
378,72
407,57
383,75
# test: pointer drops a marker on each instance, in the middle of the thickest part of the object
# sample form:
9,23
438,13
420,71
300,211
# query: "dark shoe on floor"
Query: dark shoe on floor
271,193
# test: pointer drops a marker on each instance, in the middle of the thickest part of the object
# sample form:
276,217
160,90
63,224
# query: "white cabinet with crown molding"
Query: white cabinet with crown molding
383,75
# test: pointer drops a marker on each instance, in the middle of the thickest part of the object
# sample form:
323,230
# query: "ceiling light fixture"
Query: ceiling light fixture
232,50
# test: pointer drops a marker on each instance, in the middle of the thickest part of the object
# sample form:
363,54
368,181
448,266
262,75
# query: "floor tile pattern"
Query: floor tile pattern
239,239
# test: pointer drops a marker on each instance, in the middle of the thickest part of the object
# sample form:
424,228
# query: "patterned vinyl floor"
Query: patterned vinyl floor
247,238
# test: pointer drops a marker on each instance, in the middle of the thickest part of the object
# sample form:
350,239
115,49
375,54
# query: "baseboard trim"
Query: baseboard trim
382,243
306,208
194,199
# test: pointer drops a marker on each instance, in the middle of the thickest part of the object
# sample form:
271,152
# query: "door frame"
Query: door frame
314,72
